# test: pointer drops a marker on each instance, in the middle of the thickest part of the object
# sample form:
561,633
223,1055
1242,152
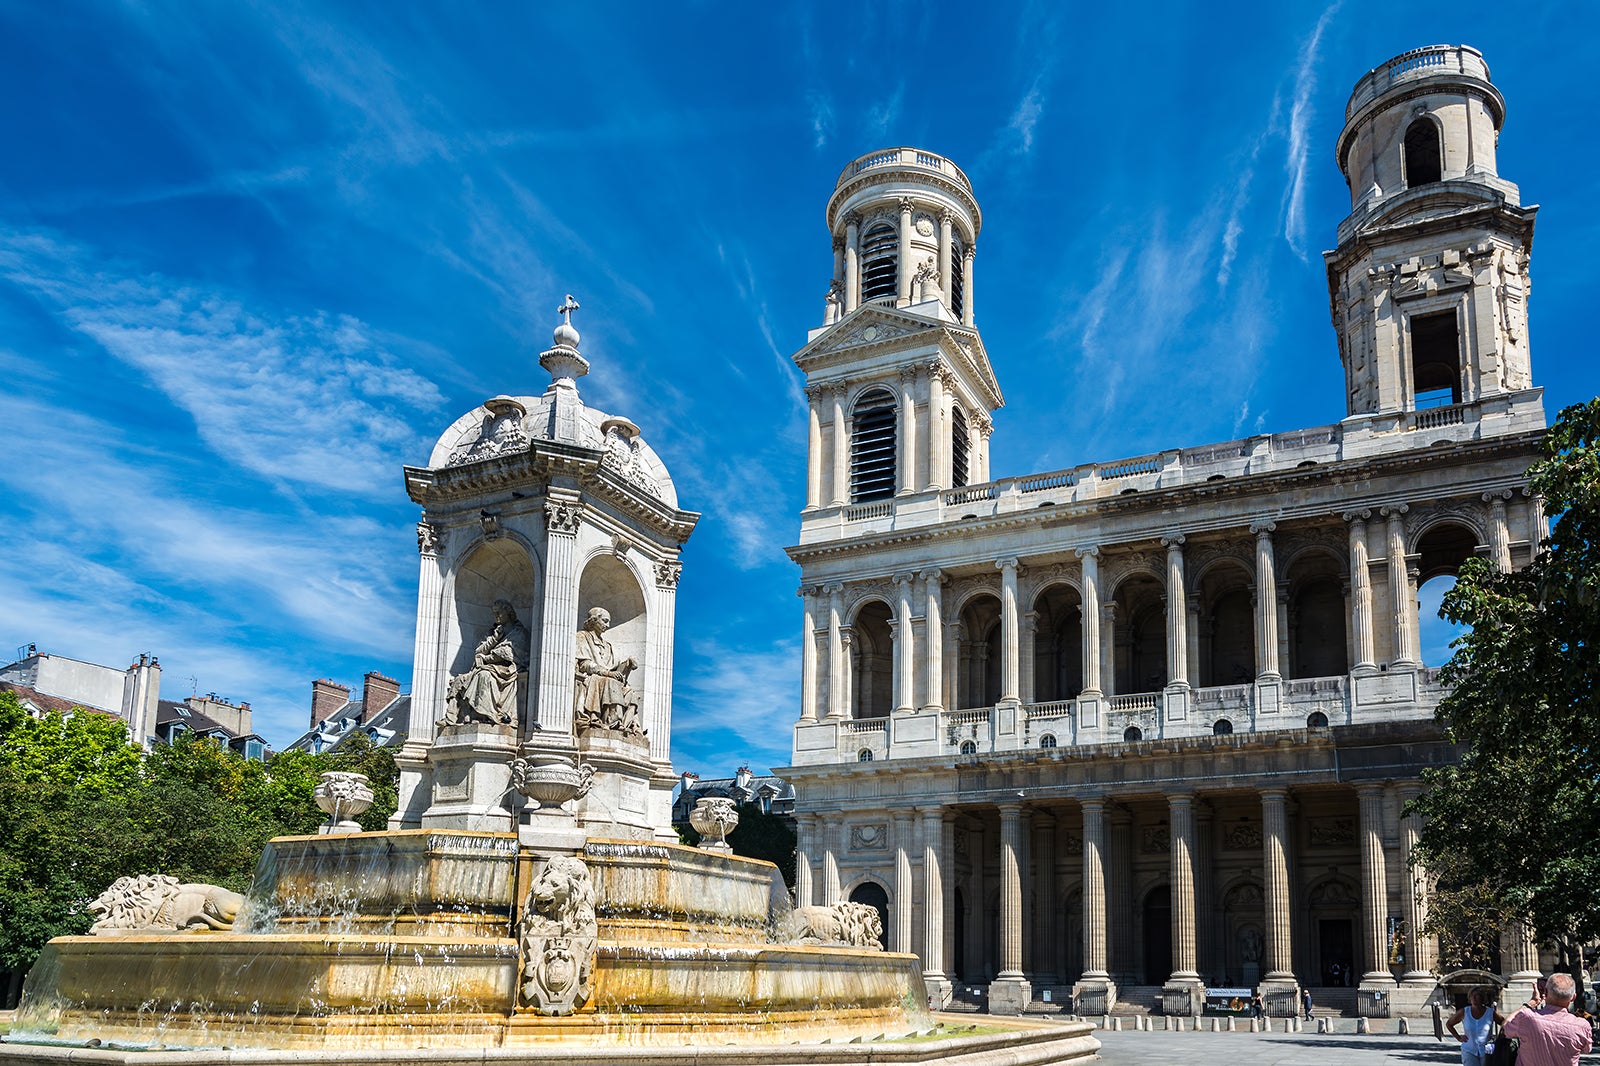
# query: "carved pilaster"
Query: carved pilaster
562,517
667,575
430,539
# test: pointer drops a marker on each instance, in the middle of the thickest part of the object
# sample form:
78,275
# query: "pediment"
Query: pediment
869,324
873,327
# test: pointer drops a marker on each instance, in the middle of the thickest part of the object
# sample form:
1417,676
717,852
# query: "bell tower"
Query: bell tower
1429,283
900,386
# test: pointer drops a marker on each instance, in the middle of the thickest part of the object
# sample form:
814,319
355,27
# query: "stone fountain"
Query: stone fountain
529,895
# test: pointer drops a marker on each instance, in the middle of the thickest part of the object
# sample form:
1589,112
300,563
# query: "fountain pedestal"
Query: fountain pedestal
471,778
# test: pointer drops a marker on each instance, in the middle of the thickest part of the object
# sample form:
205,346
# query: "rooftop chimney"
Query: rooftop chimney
380,691
326,697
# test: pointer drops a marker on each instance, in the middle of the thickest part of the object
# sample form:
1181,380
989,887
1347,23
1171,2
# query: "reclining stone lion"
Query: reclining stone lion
854,925
157,903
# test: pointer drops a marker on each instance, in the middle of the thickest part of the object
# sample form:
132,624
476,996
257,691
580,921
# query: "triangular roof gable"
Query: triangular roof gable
962,345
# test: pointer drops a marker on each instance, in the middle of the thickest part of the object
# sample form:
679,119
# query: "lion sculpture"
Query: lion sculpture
853,925
148,903
558,935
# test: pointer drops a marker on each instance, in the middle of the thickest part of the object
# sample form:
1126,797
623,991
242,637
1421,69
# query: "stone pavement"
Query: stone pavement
1277,1049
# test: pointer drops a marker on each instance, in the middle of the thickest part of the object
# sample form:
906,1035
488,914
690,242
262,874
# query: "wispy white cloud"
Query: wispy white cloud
1300,113
736,703
881,118
309,401
822,117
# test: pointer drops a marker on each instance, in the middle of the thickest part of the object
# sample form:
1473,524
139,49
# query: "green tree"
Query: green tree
1513,830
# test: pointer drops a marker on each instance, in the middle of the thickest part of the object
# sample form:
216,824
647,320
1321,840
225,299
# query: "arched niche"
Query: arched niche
609,582
495,570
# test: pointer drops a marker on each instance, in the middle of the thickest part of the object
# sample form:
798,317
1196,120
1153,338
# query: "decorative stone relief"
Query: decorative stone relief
1155,840
961,843
854,925
501,434
488,691
925,225
157,903
869,837
1331,832
624,454
667,575
562,517
1072,843
1242,836
1334,891
342,796
557,937
551,780
430,538
714,817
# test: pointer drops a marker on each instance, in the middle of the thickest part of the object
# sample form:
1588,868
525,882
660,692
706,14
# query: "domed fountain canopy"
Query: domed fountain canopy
509,425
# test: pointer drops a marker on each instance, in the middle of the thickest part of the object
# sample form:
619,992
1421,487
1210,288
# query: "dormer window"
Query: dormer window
1424,159
872,447
880,262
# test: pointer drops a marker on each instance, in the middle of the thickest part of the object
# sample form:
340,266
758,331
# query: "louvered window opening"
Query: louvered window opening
958,282
872,446
880,256
958,448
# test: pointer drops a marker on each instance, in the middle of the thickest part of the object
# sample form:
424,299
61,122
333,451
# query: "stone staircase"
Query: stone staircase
1133,1000
1333,1002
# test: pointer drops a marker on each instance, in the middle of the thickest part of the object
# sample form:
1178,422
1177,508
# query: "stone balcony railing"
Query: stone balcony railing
903,157
1262,706
1356,438
1415,65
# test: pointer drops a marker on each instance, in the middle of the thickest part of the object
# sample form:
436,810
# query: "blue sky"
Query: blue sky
254,257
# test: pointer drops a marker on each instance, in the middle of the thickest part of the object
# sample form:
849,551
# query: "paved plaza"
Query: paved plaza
1277,1049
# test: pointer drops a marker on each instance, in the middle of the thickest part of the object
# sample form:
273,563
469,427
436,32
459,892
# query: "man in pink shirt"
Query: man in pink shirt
1550,1035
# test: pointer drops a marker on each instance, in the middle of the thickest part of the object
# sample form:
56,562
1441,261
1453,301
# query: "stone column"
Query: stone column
985,427
1205,905
851,654
1108,648
1266,602
1009,669
852,262
904,647
933,611
429,676
945,273
1402,603
1043,926
906,267
838,265
938,430
841,453
1420,954
947,907
814,447
1177,612
658,675
1193,633
1094,993
1025,653
808,655
933,906
1120,961
1360,591
830,859
1377,982
967,304
805,835
558,642
906,460
1279,987
838,701
1521,961
904,893
1499,534
1010,992
1089,559
1183,993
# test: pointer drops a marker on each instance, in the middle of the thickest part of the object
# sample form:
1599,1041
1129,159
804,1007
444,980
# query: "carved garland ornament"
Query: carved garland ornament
869,837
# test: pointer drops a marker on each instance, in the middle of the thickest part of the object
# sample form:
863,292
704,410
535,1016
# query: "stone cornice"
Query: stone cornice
961,346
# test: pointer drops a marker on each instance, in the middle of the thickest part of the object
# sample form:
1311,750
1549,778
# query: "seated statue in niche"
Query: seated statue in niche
605,700
487,692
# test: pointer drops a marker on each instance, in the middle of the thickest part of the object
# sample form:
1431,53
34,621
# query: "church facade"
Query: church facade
1147,727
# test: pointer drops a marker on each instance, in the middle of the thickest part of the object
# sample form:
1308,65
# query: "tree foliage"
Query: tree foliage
1512,832
80,806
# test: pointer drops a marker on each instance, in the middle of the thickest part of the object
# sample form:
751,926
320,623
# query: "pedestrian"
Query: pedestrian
1305,1002
1478,1018
1257,1008
1548,1033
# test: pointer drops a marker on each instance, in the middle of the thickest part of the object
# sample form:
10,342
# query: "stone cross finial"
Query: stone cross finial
566,309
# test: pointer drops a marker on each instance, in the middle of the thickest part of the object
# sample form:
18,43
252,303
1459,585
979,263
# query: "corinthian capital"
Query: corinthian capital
562,517
430,538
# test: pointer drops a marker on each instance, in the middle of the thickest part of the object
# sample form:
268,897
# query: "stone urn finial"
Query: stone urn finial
343,796
551,780
714,817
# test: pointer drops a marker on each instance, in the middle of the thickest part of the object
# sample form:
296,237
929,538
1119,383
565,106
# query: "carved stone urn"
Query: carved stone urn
714,817
343,796
551,780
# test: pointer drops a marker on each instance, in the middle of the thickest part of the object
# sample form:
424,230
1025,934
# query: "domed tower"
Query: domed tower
1429,284
900,386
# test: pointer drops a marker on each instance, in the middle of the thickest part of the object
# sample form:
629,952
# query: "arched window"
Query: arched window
1317,720
864,755
1221,727
958,281
880,261
872,458
1048,740
969,747
1132,733
958,448
1423,158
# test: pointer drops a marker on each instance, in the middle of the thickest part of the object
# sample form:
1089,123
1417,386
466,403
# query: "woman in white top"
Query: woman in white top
1479,1020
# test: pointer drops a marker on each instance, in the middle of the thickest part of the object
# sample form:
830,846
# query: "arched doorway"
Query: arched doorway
1157,917
875,896
1442,550
873,667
